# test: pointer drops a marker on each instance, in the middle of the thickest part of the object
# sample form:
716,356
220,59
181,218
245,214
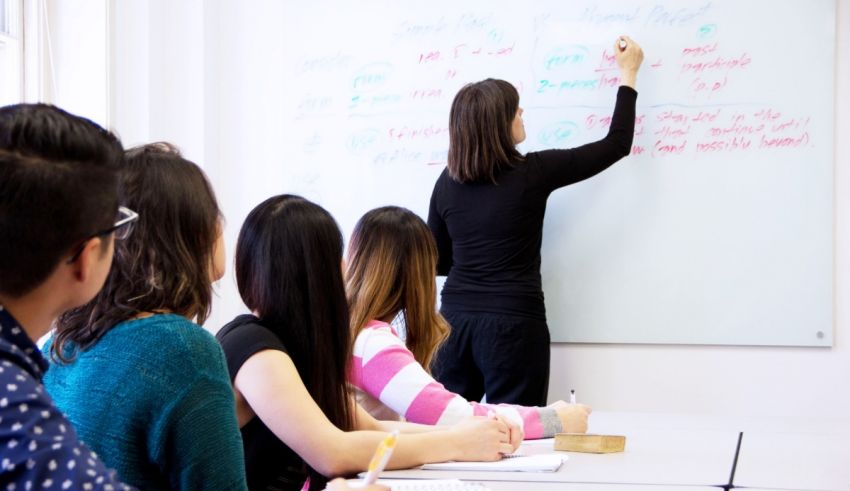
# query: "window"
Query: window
11,65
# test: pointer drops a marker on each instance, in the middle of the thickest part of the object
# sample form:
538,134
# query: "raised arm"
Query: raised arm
560,168
270,384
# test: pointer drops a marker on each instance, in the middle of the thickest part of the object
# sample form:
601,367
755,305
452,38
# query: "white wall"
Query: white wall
11,53
129,35
80,57
173,81
158,75
67,54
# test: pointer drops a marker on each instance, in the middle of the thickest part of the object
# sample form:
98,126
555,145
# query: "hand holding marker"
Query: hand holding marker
629,57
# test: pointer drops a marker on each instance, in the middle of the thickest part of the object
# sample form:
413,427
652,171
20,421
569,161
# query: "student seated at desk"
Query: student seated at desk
145,386
288,362
58,208
391,265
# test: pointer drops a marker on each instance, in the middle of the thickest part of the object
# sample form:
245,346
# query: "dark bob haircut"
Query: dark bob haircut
165,264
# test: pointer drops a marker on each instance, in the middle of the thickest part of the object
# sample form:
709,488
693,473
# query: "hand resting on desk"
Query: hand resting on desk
573,416
515,432
484,439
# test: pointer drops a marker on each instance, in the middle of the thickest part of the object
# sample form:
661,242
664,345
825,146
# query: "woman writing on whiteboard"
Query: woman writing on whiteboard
486,214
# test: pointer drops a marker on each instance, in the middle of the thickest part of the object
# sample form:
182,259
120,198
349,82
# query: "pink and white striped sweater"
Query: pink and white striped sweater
389,382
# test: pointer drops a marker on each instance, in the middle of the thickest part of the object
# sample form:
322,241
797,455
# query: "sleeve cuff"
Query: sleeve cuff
550,421
625,90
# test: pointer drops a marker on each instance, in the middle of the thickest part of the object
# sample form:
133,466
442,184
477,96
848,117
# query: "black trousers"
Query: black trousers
503,356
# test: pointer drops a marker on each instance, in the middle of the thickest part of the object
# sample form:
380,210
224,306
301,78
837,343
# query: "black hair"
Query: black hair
289,272
58,187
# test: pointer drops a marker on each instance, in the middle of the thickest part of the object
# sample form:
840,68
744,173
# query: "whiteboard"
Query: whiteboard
718,229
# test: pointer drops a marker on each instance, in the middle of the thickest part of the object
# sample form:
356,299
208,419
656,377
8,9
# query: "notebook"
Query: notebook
543,442
520,463
432,485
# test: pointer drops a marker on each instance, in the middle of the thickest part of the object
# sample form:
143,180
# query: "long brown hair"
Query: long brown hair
391,268
480,138
165,263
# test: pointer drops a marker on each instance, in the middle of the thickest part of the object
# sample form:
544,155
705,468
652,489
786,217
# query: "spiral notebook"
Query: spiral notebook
519,463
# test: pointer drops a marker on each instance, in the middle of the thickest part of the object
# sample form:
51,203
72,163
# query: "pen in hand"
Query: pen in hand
380,459
572,396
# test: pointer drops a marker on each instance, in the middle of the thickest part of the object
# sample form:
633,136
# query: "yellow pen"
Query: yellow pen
380,459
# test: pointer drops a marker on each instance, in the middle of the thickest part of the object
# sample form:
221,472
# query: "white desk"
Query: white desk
805,461
652,457
551,486
614,422
682,452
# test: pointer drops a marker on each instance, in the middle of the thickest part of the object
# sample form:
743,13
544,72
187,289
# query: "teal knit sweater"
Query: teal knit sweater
153,399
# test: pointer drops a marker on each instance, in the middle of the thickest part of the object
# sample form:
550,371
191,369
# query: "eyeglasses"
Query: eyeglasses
122,228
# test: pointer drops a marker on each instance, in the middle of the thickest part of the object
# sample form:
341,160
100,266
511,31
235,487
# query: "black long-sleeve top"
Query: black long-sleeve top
489,235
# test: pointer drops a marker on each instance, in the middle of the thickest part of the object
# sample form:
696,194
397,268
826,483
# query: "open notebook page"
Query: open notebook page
526,463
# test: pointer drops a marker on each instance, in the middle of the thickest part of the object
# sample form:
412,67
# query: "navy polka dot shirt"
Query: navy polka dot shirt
38,446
